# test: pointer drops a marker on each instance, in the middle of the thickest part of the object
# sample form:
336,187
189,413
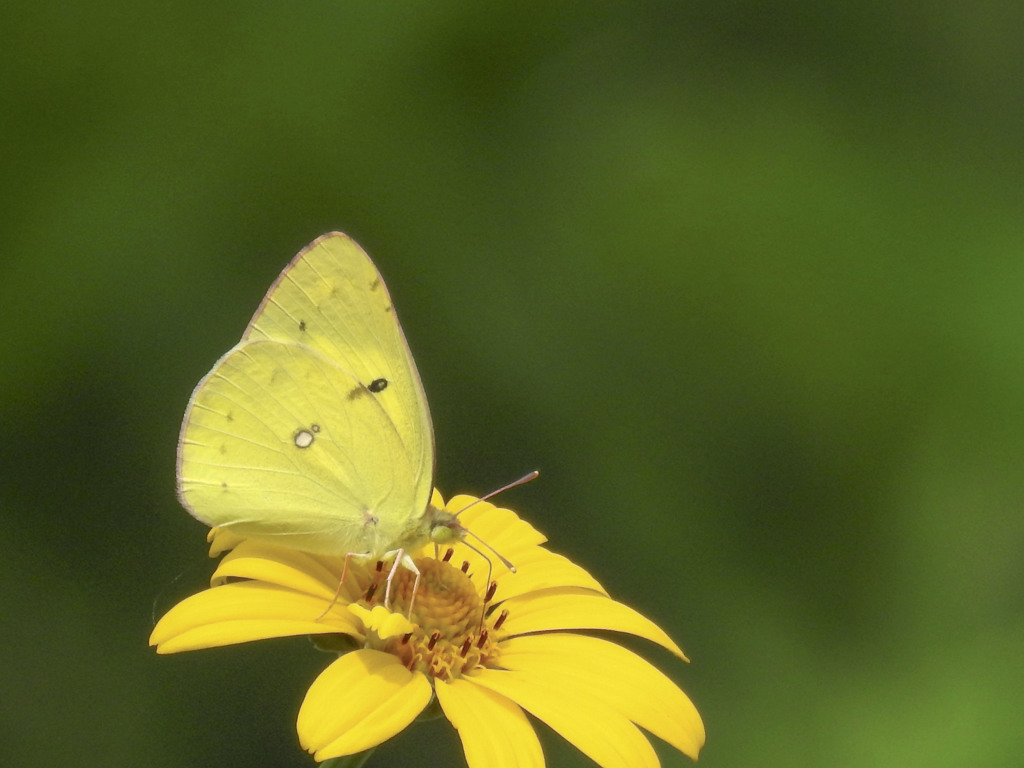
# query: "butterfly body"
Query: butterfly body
313,431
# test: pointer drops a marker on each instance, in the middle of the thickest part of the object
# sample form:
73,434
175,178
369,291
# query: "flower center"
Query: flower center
451,635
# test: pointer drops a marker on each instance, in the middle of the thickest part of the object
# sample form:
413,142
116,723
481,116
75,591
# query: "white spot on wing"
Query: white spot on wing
304,437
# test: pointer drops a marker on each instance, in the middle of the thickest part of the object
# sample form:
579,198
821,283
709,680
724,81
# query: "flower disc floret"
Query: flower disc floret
450,637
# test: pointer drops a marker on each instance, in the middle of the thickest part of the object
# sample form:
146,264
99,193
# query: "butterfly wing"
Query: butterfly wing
314,430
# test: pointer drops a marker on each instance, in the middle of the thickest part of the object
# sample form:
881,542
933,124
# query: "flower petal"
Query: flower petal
538,569
382,621
251,610
285,567
597,730
572,609
614,675
361,700
494,731
495,525
221,540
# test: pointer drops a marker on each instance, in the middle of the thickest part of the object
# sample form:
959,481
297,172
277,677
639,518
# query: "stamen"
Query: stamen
448,555
406,638
466,646
380,566
370,592
490,591
465,566
483,639
501,619
433,641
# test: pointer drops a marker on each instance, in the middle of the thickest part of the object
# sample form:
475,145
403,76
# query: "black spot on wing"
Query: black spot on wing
374,387
302,326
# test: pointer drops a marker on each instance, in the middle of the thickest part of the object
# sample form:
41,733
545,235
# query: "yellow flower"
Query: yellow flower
487,643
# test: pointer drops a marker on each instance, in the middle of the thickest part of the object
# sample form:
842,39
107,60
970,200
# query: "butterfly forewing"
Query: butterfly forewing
333,299
314,430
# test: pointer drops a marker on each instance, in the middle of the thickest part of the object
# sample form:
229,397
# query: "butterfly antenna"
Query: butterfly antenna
528,477
490,567
504,560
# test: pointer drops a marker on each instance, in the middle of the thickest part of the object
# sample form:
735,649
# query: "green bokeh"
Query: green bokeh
744,280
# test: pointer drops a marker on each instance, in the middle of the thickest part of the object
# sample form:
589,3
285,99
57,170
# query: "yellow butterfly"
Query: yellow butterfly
313,432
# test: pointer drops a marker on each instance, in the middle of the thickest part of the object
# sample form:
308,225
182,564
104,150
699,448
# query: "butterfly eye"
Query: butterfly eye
378,385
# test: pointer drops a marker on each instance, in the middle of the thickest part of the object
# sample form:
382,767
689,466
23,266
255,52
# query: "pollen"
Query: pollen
451,634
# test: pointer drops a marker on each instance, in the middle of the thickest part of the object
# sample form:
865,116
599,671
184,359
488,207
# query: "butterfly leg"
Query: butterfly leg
412,600
402,560
341,583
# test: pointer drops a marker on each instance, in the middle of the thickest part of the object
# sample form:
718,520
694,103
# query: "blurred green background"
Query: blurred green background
744,280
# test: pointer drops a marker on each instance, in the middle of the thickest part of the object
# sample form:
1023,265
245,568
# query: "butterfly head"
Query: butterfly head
434,526
444,527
